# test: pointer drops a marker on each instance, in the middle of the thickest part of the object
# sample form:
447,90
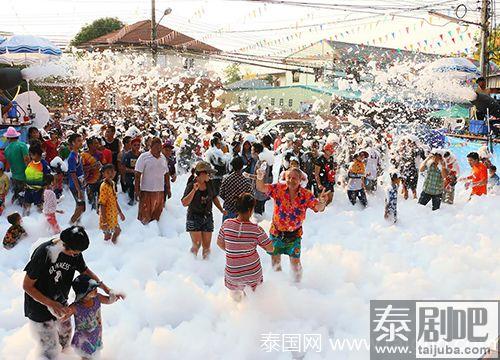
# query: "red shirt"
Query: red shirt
289,215
479,174
50,150
107,156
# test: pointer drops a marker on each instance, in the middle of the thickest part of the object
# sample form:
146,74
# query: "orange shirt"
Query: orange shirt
479,174
289,215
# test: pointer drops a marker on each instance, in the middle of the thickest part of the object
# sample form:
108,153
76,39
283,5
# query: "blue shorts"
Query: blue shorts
283,246
32,196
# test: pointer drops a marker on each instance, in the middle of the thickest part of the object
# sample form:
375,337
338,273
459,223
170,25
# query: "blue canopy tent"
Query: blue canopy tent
22,50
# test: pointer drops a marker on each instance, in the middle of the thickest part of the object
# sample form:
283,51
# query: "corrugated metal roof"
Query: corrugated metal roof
493,81
139,34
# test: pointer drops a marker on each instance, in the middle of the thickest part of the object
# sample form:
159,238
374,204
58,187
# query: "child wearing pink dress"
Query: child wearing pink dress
50,204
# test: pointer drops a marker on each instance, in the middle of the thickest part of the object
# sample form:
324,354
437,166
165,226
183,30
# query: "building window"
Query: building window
239,99
282,102
273,101
295,76
290,102
111,99
188,63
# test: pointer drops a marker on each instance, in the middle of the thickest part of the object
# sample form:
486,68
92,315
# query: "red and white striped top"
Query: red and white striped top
242,260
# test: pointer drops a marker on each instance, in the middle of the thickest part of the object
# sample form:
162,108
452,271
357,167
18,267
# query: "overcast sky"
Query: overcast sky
59,20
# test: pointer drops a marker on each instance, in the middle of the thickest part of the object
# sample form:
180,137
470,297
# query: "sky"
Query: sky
255,27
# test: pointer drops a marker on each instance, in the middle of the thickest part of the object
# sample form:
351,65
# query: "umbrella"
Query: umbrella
461,65
27,49
2,39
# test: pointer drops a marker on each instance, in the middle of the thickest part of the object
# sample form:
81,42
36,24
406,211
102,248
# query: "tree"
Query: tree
493,46
233,73
98,28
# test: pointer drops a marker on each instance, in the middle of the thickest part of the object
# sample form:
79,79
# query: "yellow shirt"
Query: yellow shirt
4,185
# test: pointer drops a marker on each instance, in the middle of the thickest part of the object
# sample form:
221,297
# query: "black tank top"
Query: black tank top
114,147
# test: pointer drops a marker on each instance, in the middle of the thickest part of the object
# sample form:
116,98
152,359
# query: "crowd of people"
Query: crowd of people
236,175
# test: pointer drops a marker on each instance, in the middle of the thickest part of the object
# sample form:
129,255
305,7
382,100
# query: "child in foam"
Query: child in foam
4,187
391,199
109,209
356,183
15,232
239,238
50,204
35,171
87,339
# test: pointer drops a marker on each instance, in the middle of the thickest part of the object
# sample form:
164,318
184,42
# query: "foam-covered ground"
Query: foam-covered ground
178,308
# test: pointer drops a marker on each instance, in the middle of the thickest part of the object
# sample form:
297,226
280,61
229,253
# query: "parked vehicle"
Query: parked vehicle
286,126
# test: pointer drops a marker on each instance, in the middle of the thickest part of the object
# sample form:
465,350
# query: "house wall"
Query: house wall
197,64
286,99
322,50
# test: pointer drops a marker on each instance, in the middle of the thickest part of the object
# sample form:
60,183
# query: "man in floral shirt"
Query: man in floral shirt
291,203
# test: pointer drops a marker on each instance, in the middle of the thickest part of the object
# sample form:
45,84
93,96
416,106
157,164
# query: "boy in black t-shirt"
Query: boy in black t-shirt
47,283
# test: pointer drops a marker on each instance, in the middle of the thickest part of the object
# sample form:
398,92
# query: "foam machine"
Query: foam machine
10,78
19,118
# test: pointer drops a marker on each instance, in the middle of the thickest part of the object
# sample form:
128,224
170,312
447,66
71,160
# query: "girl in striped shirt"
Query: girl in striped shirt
239,239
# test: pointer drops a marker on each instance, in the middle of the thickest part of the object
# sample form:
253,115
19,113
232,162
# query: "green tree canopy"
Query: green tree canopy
493,46
98,28
233,73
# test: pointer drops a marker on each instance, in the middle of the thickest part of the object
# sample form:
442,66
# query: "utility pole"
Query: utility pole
485,15
153,30
483,24
154,52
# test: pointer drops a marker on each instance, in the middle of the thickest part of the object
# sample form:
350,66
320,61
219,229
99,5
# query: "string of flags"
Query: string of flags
454,36
265,43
